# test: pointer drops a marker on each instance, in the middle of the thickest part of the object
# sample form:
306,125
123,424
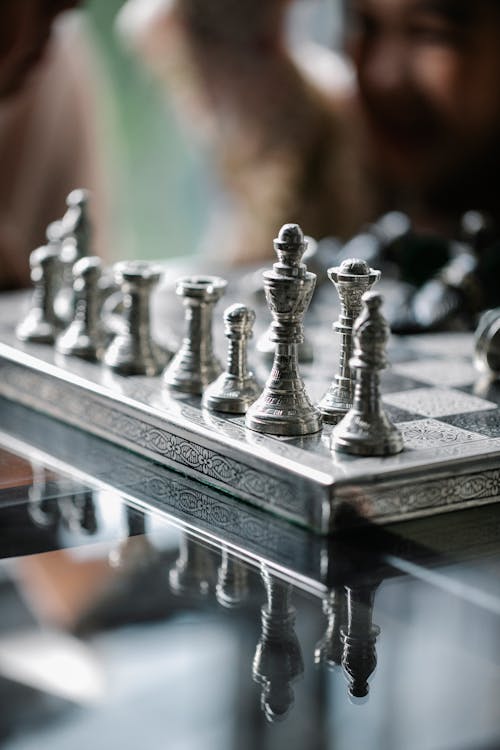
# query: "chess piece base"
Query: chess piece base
337,401
36,330
124,357
185,380
231,395
286,423
367,435
75,343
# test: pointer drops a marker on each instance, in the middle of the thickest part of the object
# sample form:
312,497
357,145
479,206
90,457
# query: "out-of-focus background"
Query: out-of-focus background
161,186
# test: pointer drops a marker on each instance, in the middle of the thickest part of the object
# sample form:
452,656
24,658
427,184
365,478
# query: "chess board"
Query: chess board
449,420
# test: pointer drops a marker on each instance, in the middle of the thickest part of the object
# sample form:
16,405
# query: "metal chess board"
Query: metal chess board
451,431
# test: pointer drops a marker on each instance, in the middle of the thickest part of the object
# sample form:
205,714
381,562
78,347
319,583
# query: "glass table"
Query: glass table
140,610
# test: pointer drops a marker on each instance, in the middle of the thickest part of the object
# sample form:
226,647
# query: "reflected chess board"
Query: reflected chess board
451,431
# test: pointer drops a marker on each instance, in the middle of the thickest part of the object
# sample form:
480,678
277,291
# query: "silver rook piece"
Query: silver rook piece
236,388
132,350
351,279
41,324
284,407
195,365
85,336
366,429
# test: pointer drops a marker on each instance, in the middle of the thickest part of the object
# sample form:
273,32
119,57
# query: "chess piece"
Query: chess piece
330,647
487,344
132,350
236,388
359,637
41,324
232,581
284,408
351,279
75,222
195,364
85,336
78,512
366,429
192,573
278,659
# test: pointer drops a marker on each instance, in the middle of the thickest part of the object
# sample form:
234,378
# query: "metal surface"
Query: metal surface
351,279
41,323
133,351
366,430
452,456
284,407
85,337
195,364
236,388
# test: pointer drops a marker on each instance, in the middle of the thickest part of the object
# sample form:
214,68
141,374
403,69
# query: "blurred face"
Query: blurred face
429,85
24,32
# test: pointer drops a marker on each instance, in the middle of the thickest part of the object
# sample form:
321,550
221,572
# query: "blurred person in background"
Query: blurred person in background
294,137
48,139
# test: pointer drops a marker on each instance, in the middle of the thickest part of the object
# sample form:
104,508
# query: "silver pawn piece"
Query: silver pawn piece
85,337
366,430
236,388
278,659
195,364
132,350
284,407
41,325
351,279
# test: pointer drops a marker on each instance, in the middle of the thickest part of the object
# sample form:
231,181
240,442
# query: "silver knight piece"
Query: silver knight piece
195,364
236,388
284,407
41,324
351,279
132,350
366,429
85,336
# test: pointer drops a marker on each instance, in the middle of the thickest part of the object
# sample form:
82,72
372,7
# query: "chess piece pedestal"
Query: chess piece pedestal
85,337
236,388
284,407
232,581
195,364
366,430
41,325
132,350
351,279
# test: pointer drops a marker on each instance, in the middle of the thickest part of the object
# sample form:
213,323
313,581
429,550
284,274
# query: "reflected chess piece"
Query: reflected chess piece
284,408
85,337
330,648
136,552
359,638
236,388
195,364
351,279
193,572
43,507
41,324
78,512
132,350
232,581
278,658
366,430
